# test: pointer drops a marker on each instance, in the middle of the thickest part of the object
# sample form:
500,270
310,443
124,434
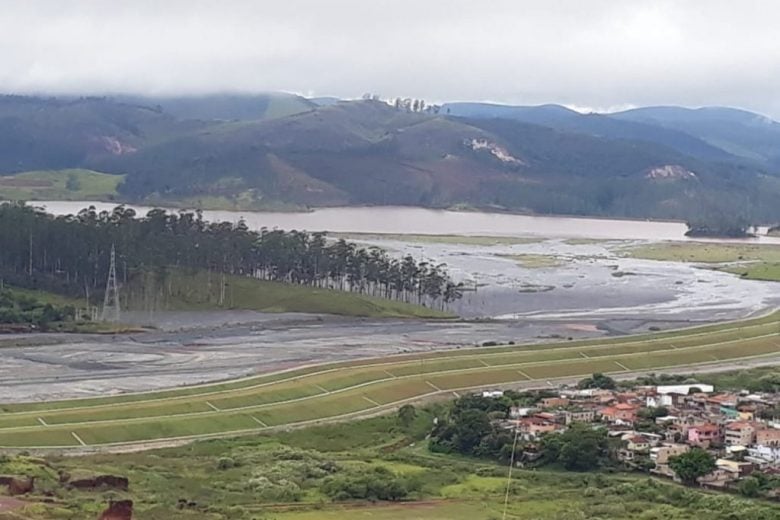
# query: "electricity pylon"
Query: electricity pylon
111,300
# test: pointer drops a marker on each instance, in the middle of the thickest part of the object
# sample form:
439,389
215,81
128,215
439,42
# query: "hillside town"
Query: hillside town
651,425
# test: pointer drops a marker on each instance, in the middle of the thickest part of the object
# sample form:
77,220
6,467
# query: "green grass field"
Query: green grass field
705,252
181,290
758,271
751,261
349,389
60,185
447,487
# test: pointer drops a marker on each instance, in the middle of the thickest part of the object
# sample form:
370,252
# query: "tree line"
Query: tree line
70,254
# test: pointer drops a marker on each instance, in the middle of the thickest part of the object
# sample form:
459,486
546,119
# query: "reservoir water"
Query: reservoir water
394,219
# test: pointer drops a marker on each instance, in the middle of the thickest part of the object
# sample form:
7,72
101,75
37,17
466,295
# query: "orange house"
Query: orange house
619,412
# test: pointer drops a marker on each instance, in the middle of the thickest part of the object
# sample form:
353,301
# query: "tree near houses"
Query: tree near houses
580,448
597,380
693,464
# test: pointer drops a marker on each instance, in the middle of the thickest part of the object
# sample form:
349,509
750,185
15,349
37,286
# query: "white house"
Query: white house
516,412
654,401
768,454
684,389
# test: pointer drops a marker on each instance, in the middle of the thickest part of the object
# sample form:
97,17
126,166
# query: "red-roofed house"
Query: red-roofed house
533,427
638,443
619,412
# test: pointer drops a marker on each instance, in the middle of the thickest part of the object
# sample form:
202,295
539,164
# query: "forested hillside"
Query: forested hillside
267,152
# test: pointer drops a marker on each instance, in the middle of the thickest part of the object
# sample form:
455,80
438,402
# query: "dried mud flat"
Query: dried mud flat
65,366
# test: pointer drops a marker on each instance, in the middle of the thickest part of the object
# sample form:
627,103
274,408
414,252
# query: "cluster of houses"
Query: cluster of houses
656,423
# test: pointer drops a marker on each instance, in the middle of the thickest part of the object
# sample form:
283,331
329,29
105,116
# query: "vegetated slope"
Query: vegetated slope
739,132
50,134
577,173
199,290
598,125
350,153
368,152
540,159
227,107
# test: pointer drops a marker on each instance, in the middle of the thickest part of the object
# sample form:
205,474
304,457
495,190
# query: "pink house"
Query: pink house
704,435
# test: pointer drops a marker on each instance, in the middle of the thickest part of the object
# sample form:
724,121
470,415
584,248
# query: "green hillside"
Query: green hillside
70,184
276,151
201,291
227,107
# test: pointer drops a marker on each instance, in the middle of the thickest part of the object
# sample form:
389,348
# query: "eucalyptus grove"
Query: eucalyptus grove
69,254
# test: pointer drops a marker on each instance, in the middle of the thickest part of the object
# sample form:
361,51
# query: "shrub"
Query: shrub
225,463
377,484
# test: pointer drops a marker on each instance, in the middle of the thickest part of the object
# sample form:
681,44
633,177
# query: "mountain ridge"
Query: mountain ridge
369,152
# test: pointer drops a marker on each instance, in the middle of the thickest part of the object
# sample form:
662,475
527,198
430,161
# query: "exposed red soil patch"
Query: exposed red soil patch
18,486
9,504
120,510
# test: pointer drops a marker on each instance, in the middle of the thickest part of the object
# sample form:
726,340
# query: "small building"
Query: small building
764,454
661,455
739,433
726,473
684,389
638,444
768,437
516,412
721,403
704,435
554,402
736,468
533,427
623,413
572,416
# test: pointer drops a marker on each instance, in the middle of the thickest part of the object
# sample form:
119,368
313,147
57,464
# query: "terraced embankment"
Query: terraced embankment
341,390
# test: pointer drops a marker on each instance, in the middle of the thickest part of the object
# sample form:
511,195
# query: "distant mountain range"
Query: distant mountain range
708,133
276,150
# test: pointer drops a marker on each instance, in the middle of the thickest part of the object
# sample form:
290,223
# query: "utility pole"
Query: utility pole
111,300
30,267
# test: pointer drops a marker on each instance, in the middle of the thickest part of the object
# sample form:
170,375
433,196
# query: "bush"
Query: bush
376,484
280,491
750,487
226,463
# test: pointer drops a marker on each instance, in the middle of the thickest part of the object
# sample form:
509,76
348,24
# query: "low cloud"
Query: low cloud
597,53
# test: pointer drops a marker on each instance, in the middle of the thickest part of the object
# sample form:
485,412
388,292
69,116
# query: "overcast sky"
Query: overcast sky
600,54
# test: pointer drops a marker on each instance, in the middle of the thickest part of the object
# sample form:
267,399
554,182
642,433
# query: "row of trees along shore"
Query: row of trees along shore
70,254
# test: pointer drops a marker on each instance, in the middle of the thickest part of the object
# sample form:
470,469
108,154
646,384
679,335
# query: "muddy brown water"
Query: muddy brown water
394,219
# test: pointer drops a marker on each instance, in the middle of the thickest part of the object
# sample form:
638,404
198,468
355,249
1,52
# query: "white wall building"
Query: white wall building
683,389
